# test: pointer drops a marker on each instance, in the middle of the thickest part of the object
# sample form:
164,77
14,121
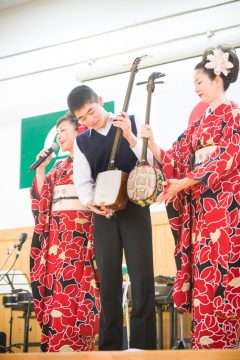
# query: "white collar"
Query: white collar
105,130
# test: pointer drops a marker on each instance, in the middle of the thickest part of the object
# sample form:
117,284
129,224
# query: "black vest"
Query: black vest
97,149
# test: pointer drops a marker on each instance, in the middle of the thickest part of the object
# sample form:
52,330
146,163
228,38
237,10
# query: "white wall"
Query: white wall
42,34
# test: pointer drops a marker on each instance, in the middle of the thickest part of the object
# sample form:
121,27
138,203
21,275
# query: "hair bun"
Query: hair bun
223,61
233,58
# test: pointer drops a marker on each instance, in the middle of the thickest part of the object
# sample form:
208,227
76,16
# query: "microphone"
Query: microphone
43,158
22,239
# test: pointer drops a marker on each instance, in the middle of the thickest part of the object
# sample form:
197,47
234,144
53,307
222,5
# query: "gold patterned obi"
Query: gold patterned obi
202,154
65,198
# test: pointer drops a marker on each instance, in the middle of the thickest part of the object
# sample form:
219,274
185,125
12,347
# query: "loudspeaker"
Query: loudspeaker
2,342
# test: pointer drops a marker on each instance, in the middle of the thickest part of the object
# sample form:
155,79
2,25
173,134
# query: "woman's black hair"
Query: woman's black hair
232,73
68,117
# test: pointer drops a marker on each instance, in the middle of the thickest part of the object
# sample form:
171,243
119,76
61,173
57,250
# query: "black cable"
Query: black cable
9,348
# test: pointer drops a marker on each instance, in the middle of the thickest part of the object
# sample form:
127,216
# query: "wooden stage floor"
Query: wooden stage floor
130,355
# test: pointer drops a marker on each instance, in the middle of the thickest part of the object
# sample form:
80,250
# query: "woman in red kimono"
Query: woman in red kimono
62,266
202,194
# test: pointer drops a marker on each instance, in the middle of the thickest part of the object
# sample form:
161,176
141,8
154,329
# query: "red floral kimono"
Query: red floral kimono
206,227
63,276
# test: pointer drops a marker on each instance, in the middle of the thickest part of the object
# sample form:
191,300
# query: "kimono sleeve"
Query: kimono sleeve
176,162
41,201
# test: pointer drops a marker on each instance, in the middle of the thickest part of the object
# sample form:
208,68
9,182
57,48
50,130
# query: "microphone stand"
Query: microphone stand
9,255
17,345
22,239
11,316
18,246
26,316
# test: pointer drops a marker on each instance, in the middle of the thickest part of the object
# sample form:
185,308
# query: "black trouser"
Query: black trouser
129,229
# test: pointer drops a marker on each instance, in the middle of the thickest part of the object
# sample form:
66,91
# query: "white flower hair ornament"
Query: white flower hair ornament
218,61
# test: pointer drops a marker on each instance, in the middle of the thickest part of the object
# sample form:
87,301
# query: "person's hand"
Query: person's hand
123,122
172,187
99,209
43,153
146,132
108,212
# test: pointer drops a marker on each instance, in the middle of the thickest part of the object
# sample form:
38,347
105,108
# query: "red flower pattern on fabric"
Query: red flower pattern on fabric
206,227
63,274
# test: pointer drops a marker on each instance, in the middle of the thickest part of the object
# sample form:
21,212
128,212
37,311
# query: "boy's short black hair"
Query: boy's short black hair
80,96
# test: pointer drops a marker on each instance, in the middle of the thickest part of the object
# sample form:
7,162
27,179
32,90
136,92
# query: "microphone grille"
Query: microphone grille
23,237
55,146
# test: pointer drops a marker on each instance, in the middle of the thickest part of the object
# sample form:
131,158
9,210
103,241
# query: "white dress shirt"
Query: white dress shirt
82,176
